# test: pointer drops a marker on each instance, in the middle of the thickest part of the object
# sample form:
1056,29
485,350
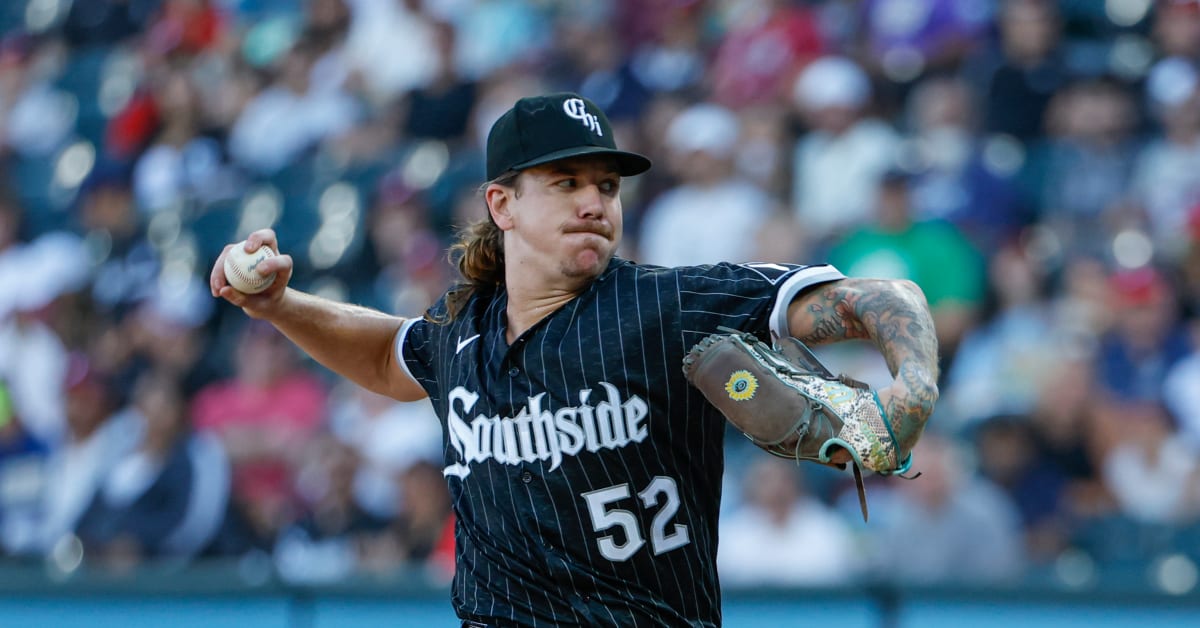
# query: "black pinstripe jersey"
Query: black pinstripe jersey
585,471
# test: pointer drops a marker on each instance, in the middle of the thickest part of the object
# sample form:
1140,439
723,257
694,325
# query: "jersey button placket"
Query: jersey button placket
527,477
514,371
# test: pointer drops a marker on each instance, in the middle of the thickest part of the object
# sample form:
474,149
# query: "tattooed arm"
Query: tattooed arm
896,317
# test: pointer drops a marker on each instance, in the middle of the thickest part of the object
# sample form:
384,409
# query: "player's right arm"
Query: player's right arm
355,342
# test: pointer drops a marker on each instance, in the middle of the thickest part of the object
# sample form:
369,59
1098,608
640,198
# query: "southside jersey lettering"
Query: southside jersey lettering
537,434
584,471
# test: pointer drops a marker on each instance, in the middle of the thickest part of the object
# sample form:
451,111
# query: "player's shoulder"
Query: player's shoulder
753,272
439,321
746,273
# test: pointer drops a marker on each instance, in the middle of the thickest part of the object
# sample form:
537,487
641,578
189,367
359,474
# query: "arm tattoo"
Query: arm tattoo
893,315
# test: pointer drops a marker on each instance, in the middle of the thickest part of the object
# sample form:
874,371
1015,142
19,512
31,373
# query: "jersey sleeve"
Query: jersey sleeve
746,297
415,347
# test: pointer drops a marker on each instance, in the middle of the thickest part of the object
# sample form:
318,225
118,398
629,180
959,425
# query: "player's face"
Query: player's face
565,216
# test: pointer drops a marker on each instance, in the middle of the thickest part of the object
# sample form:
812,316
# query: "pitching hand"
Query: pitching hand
255,305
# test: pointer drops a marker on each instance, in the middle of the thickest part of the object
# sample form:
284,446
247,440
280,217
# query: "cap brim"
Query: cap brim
628,164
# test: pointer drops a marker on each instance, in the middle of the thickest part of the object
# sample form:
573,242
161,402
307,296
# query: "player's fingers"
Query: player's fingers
216,279
259,238
233,296
277,264
284,275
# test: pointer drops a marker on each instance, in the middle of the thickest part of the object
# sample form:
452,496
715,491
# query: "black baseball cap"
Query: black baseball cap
541,129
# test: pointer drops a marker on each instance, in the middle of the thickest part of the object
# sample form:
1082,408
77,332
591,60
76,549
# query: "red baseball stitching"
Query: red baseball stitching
237,270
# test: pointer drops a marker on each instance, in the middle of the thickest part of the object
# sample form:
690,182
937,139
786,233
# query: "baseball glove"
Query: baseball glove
786,402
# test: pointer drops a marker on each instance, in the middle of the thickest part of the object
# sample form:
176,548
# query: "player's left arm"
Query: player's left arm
895,316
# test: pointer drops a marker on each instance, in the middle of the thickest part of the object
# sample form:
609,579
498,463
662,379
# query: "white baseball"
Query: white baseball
241,268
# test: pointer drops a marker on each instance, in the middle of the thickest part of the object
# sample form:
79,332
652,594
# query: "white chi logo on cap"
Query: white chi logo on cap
575,108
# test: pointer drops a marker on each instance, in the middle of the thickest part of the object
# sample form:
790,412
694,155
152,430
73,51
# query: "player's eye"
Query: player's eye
567,184
610,186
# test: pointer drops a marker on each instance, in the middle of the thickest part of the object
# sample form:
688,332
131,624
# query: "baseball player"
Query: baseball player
584,469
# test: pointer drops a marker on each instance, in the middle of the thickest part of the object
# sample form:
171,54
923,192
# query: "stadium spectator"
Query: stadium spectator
167,331
37,117
106,22
1008,456
180,164
904,40
782,536
1147,462
33,356
1061,425
165,498
405,262
265,416
128,263
1017,78
1176,29
1164,186
98,438
934,254
1152,471
838,163
595,67
290,116
387,437
763,152
379,33
765,44
1046,458
424,525
496,36
948,526
1086,164
22,475
335,533
186,27
954,180
670,56
1001,364
1145,342
703,140
441,109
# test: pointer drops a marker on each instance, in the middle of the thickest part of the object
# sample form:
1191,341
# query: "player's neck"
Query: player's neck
530,299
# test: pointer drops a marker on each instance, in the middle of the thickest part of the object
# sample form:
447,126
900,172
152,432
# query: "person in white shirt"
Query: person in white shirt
840,161
780,535
714,214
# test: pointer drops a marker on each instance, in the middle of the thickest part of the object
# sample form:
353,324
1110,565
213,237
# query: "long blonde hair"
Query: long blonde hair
478,254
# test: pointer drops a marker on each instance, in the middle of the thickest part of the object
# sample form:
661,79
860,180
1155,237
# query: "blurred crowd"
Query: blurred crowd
1031,164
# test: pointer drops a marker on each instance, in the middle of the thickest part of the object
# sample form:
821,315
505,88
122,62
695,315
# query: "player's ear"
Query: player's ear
498,199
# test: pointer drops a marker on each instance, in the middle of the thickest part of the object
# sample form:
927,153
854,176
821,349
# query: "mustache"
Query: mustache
602,229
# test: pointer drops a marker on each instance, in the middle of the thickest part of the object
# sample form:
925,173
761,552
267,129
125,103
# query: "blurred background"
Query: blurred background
1033,164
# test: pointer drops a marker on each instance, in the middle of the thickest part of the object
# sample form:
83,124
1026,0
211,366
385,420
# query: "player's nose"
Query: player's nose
589,202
